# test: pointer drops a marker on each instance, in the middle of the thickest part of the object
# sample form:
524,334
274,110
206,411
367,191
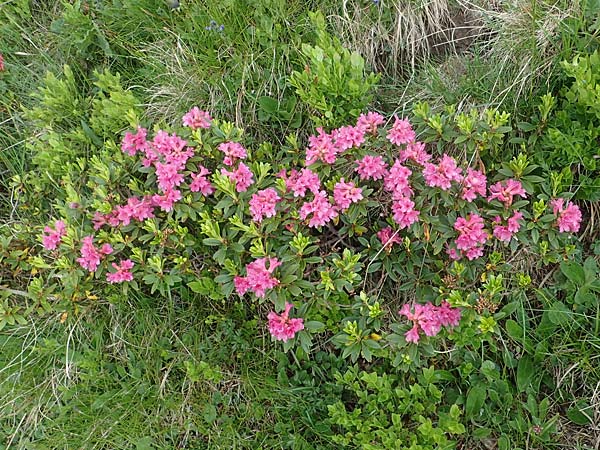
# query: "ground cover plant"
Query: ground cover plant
247,225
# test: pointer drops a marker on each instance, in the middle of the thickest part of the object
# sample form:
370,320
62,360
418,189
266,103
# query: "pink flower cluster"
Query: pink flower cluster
90,255
262,204
258,277
326,146
196,118
123,272
443,174
506,232
472,237
474,182
369,122
51,237
200,183
322,211
371,168
242,177
345,194
568,217
281,327
233,151
505,191
429,319
416,152
401,132
1,63
388,238
300,182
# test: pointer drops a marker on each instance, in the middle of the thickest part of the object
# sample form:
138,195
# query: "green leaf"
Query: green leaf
580,413
475,400
573,271
314,326
525,373
559,314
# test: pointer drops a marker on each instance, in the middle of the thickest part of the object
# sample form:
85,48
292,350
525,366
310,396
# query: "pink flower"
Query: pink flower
473,183
51,237
132,143
242,177
168,176
299,182
123,272
505,192
1,63
262,204
569,217
396,181
166,201
258,277
404,213
502,233
472,236
348,137
416,152
345,194
371,168
90,255
401,132
388,237
322,148
320,208
233,151
369,122
200,183
281,327
443,174
196,118
429,318
513,222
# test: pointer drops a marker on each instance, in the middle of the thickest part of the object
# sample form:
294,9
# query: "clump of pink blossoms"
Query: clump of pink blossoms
429,319
404,212
401,132
262,204
345,194
388,238
369,122
51,237
348,137
474,183
300,182
416,152
200,183
233,151
90,255
196,118
472,236
371,167
568,217
321,147
506,191
258,277
123,272
242,177
443,174
281,327
322,211
505,232
132,143
397,181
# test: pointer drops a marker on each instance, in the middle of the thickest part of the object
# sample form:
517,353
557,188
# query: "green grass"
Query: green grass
148,375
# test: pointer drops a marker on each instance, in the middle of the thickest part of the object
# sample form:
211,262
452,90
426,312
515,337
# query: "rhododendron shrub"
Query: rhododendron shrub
317,229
